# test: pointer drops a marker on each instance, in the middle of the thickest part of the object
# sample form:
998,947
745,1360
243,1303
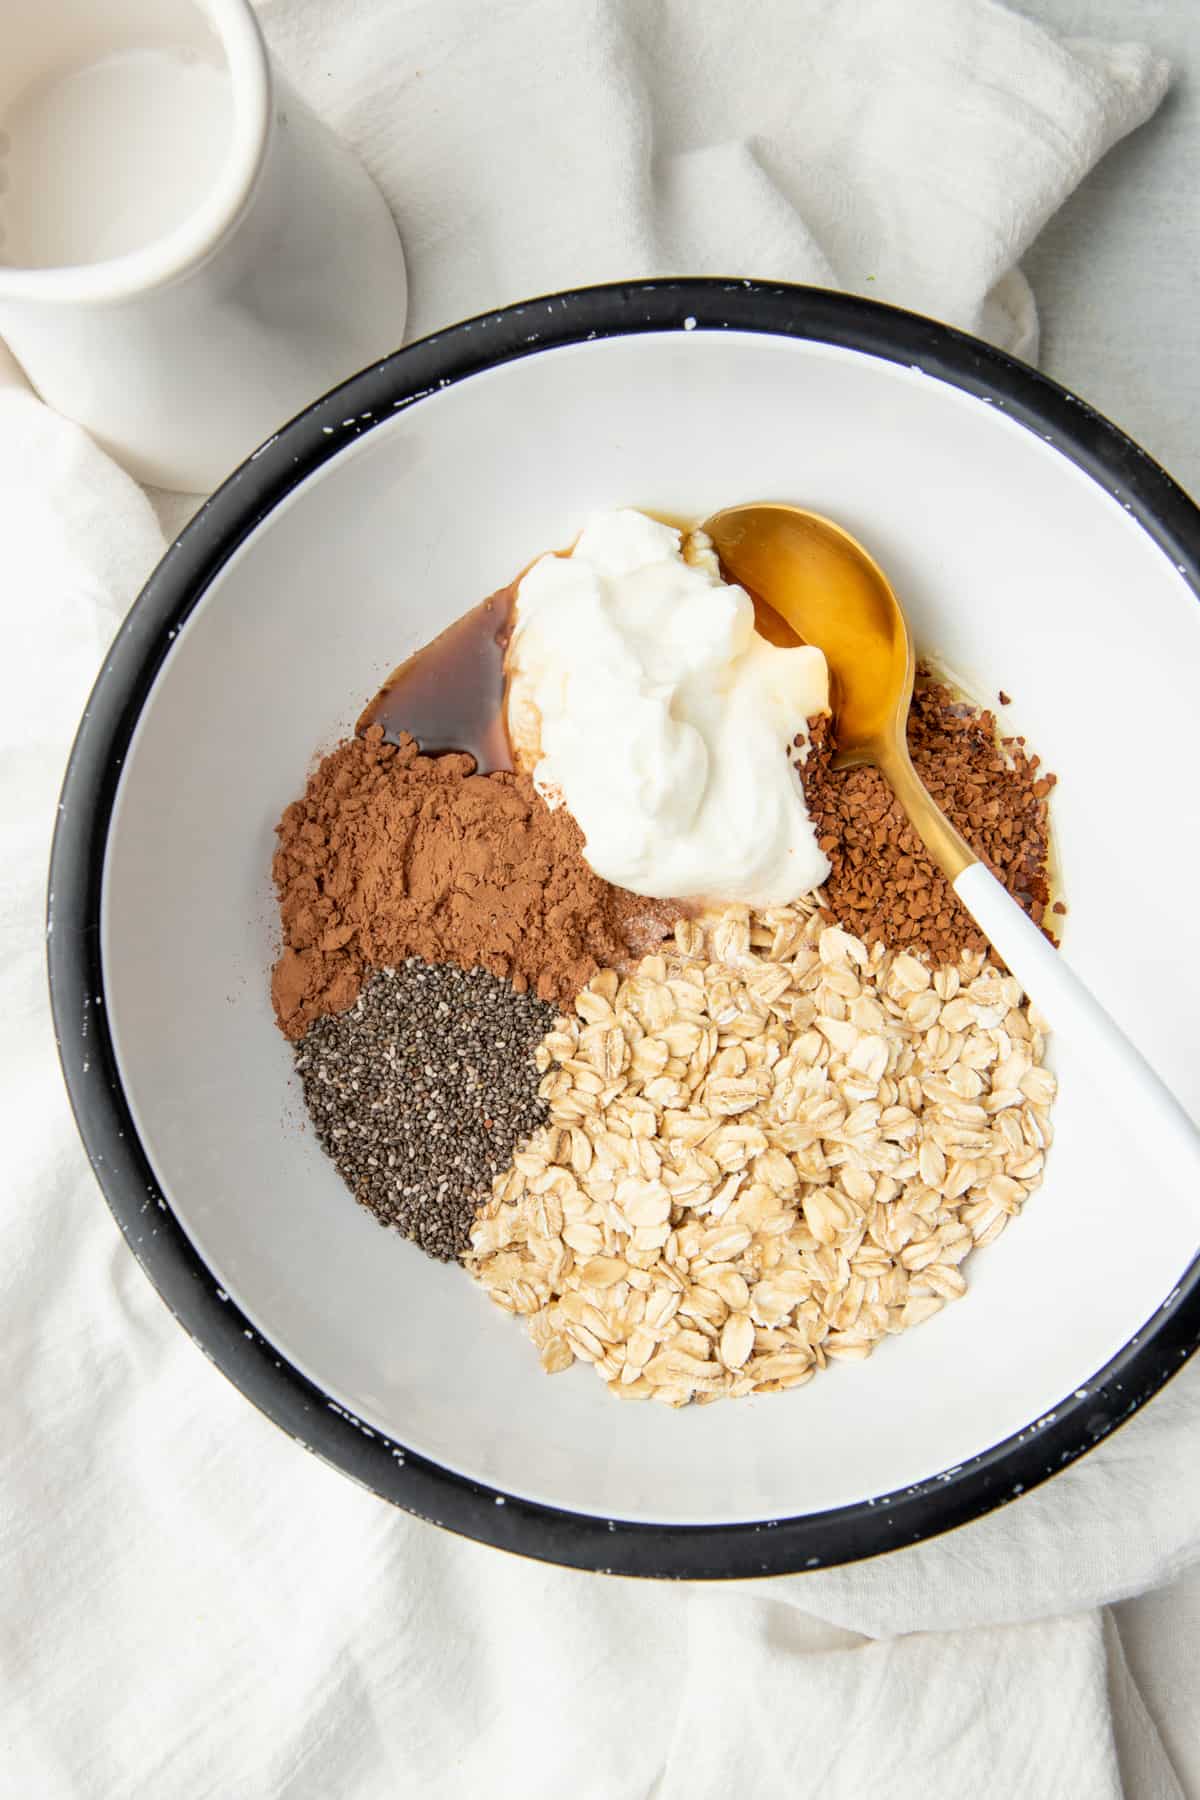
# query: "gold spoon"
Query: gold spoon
834,595
826,587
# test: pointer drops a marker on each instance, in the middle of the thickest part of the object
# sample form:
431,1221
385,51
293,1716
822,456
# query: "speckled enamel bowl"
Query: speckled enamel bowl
1036,548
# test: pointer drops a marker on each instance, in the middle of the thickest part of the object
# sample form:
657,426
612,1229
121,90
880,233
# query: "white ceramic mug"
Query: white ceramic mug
187,256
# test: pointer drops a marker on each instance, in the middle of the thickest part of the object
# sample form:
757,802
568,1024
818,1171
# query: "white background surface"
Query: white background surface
189,1604
1115,271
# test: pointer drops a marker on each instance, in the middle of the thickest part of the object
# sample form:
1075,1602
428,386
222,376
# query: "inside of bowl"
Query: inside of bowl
1018,570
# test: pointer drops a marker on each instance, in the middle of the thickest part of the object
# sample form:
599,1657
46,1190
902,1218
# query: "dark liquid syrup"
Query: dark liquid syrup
450,695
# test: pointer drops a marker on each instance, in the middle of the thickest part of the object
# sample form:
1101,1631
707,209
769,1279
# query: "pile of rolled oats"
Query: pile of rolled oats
767,1148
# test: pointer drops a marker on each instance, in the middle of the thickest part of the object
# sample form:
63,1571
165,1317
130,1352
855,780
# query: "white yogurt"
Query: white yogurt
643,699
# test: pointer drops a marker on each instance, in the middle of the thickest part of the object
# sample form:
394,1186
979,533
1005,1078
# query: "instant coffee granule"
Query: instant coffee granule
883,886
421,1092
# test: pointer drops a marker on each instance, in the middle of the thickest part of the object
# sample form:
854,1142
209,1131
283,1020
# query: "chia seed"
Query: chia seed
420,1093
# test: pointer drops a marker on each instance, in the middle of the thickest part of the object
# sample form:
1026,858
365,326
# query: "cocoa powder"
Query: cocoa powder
883,885
390,854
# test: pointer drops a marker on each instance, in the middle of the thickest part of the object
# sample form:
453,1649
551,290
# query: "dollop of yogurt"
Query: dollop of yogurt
641,697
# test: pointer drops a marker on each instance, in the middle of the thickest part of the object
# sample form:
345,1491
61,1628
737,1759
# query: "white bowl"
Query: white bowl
1036,549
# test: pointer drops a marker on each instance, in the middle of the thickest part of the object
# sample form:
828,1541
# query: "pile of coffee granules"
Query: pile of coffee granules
883,886
421,1092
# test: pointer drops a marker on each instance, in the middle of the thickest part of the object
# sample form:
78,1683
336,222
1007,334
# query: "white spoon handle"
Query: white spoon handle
1149,1111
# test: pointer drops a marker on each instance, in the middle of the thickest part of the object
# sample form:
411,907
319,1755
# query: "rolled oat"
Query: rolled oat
767,1149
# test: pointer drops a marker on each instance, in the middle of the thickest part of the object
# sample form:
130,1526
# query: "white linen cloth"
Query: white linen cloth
190,1605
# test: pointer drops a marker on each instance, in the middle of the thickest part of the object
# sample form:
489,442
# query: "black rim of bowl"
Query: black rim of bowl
228,1338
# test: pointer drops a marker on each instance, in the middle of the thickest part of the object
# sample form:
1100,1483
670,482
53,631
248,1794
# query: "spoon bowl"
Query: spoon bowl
834,595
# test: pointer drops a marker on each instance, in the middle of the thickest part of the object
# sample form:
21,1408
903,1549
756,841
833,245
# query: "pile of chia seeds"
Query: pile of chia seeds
421,1092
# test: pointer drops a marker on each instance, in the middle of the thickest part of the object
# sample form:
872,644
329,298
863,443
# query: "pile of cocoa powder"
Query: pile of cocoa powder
390,854
883,886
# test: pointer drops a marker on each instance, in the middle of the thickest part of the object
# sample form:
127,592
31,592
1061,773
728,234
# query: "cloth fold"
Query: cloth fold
189,1604
907,151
